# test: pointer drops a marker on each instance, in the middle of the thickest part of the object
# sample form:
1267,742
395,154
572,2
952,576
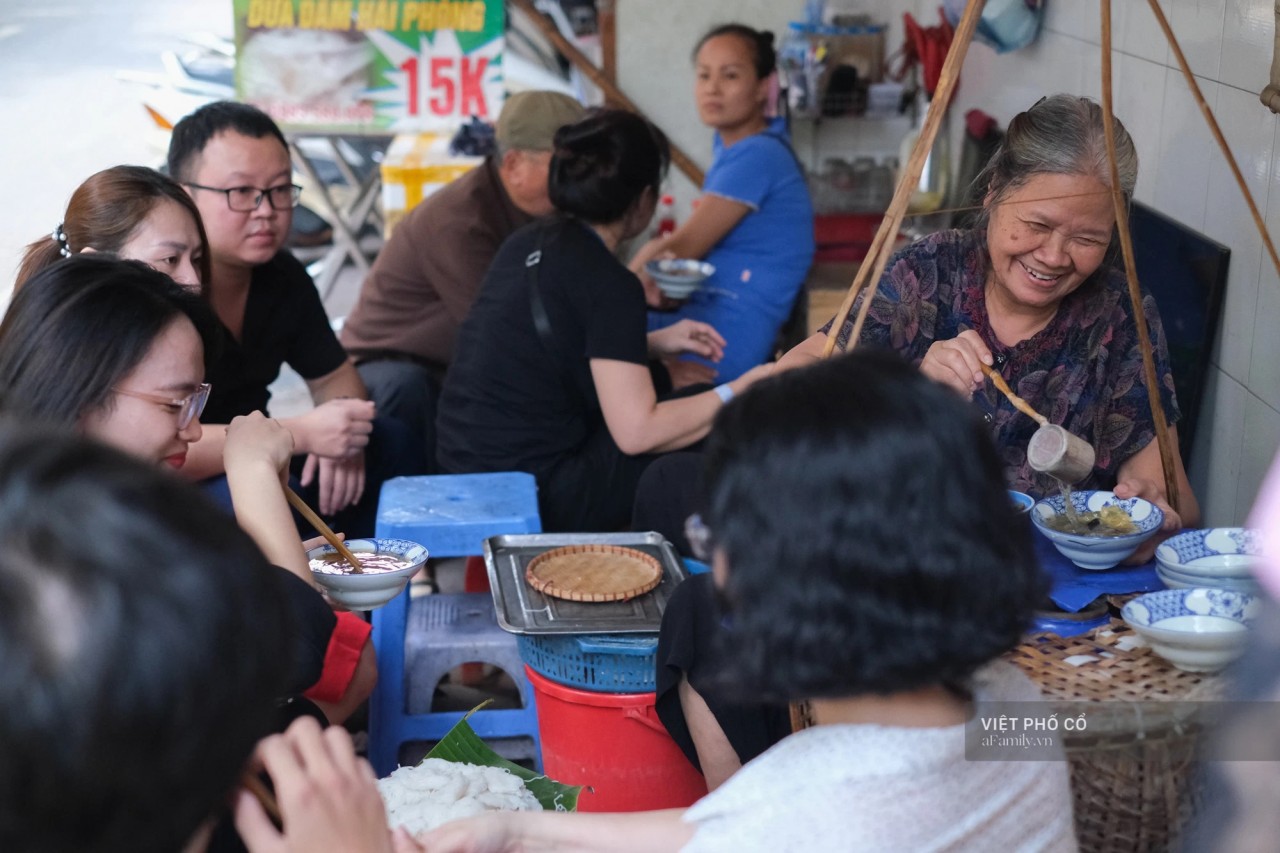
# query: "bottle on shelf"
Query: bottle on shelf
666,216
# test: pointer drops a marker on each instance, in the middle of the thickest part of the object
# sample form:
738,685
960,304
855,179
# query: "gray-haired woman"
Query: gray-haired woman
1029,292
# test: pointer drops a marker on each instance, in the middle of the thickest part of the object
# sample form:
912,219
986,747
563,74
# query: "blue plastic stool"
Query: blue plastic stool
451,515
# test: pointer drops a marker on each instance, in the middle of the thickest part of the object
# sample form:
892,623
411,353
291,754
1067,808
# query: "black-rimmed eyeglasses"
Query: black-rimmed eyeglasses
247,199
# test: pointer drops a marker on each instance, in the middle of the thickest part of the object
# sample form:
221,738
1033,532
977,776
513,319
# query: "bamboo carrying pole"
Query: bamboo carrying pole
611,91
1215,130
882,244
1164,440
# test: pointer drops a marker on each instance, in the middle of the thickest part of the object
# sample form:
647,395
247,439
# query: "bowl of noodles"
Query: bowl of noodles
387,566
1100,530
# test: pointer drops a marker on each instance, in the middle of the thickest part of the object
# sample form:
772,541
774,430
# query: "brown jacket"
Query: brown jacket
429,272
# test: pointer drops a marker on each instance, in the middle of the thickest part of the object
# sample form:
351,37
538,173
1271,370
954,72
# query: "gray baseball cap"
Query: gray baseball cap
529,120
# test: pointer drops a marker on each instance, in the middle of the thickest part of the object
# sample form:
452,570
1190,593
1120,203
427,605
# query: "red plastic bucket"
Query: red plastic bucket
615,743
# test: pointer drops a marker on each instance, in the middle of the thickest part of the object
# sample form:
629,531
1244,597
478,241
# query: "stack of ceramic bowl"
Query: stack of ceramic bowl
1218,558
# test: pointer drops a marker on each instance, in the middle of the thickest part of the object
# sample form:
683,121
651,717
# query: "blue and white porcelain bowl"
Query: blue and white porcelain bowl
1022,502
1211,555
371,590
1198,630
1097,552
1177,580
678,278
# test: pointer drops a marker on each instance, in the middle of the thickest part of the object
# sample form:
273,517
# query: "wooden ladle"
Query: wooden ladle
1052,450
323,529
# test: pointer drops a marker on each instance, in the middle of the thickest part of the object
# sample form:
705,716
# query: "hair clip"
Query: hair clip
60,237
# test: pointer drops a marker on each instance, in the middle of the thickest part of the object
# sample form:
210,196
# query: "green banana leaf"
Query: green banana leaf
462,744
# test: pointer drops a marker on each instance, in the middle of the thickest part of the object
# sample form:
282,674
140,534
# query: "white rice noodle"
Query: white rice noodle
438,791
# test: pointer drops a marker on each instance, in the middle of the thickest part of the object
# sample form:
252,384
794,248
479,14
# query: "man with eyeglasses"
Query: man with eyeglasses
235,163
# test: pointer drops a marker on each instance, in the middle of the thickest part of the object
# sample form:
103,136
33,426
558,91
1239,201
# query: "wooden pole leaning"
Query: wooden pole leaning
882,245
610,89
1216,131
1164,440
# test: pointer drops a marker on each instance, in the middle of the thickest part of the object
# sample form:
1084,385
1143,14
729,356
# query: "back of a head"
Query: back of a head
79,327
1063,135
871,544
141,644
103,213
601,165
193,132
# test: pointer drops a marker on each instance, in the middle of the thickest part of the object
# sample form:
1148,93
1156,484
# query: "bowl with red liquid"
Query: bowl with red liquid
387,566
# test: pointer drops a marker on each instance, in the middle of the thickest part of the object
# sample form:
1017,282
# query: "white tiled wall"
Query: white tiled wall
1228,44
655,46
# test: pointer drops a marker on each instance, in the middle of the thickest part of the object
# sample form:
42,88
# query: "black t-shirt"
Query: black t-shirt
510,401
284,322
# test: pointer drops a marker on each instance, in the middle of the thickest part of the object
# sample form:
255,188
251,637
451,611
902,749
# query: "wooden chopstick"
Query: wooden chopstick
1018,403
251,783
323,529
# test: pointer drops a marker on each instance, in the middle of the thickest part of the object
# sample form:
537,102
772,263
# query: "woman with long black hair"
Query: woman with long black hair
551,370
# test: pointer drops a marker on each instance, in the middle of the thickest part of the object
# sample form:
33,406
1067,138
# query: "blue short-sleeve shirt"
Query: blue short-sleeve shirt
760,264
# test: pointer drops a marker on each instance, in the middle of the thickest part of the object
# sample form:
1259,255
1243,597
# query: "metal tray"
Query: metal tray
524,610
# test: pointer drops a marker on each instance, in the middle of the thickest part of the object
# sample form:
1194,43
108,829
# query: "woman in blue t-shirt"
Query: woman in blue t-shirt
754,222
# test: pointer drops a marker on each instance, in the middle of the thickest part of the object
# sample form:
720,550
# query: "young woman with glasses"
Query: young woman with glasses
115,351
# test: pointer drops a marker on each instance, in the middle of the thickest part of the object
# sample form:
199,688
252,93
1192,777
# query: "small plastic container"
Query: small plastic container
604,663
884,100
666,216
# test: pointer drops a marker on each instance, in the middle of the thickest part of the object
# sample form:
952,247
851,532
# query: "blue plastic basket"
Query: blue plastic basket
603,663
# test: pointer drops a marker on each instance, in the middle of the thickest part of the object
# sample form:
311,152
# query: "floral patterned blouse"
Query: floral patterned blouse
1082,371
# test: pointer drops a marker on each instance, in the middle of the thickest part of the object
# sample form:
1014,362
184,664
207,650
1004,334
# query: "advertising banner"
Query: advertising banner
370,66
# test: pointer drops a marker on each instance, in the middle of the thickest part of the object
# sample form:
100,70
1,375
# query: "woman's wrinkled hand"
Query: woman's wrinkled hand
1136,487
688,336
958,362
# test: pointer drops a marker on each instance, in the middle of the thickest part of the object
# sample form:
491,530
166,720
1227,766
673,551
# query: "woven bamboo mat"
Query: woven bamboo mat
1109,664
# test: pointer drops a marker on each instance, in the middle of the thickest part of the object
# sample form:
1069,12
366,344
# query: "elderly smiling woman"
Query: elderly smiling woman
1029,291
